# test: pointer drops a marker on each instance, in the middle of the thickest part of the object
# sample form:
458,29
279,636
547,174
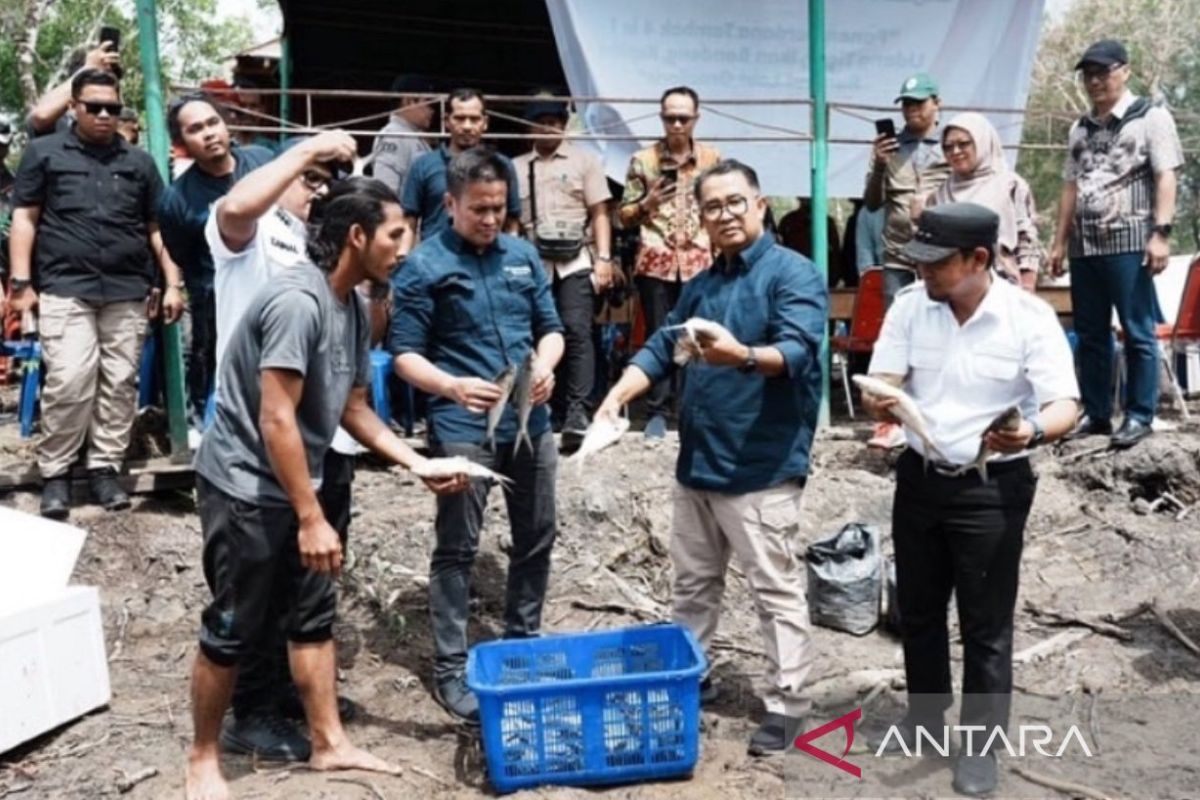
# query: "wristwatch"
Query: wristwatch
751,362
18,284
1039,433
1163,230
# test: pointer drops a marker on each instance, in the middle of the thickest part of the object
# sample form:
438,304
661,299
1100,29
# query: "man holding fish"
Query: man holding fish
986,371
749,331
476,328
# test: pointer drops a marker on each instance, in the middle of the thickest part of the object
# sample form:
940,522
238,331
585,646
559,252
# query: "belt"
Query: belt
949,470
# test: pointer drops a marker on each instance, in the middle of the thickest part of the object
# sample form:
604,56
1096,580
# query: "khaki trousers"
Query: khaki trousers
762,529
91,352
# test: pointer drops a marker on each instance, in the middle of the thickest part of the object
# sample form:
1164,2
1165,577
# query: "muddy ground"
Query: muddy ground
1110,535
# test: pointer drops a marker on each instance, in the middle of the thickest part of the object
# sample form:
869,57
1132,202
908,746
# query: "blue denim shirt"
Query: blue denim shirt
424,192
471,314
739,432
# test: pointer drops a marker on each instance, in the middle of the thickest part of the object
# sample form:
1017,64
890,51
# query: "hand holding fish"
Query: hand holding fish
543,383
720,348
879,407
1009,441
474,394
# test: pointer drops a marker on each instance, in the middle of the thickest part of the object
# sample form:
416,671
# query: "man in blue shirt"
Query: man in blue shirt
470,303
747,416
197,125
424,194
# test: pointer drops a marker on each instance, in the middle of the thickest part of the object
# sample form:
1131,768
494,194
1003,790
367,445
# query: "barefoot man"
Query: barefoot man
295,367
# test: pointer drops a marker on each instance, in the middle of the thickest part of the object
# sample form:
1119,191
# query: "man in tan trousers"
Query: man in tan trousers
84,233
747,417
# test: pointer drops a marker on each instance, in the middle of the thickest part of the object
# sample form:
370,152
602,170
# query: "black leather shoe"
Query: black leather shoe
775,735
56,497
1091,427
453,695
270,737
975,775
1130,433
709,692
292,707
106,491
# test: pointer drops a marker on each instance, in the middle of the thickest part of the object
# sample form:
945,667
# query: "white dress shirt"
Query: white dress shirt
1012,351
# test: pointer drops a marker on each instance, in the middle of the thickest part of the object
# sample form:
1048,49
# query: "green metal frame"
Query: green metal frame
160,149
820,168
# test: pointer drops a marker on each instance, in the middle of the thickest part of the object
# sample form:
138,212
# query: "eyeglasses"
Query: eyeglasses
96,109
677,119
736,205
1098,73
960,144
314,180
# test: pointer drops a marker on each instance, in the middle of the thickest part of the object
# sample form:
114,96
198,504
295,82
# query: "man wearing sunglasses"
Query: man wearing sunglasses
658,201
747,416
87,198
1117,205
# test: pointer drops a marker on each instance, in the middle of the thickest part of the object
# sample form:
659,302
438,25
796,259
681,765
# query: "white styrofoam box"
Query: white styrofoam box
53,667
1187,367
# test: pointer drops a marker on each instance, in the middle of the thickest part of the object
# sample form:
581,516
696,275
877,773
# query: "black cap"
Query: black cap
944,230
1106,53
543,106
413,84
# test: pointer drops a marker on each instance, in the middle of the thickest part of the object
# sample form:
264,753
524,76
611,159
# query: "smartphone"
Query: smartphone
885,127
669,176
110,34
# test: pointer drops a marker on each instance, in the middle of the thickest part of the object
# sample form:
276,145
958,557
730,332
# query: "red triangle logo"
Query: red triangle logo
845,722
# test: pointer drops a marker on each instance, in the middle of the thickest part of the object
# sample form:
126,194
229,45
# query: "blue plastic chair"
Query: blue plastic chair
30,354
381,401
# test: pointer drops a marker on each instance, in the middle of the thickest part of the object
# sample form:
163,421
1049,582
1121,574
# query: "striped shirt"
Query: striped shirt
1113,163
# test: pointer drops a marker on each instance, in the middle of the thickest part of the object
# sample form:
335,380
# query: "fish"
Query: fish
696,328
904,410
522,396
505,381
600,434
457,465
1007,420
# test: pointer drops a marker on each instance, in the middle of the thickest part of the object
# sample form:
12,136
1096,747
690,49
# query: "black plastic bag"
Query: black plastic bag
845,578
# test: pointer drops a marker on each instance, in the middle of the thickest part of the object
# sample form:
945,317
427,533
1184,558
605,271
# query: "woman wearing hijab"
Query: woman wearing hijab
979,174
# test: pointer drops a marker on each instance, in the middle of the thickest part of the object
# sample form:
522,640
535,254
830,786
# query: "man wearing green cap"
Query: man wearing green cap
904,168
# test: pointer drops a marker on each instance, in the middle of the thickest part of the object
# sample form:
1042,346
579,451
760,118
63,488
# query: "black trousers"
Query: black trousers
577,371
963,535
264,676
202,352
657,298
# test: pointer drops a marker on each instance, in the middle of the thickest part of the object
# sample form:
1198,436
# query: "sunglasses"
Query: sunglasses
314,180
96,109
1098,73
677,119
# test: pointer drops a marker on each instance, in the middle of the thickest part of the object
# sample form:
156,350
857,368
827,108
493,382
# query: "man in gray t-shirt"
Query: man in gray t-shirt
295,367
294,324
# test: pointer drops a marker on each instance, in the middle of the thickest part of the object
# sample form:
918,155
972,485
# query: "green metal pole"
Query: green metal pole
820,168
160,148
285,81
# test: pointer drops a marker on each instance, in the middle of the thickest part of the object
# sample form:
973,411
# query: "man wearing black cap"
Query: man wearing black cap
564,196
1118,202
400,142
967,346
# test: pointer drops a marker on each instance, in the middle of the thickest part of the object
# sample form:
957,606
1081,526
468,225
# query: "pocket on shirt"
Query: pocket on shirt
926,357
455,303
70,190
124,193
999,364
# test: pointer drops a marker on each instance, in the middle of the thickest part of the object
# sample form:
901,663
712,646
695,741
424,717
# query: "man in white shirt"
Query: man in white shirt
399,143
257,231
966,345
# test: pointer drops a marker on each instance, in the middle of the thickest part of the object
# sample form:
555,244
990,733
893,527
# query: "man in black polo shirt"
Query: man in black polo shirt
85,219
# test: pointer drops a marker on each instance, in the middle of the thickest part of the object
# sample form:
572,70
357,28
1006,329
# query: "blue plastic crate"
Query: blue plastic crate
590,708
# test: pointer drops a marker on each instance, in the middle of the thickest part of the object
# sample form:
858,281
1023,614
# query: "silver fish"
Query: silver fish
1007,420
904,410
457,465
687,345
505,381
600,434
522,396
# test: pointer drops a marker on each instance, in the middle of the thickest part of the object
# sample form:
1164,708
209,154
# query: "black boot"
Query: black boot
775,735
56,497
975,775
268,736
106,492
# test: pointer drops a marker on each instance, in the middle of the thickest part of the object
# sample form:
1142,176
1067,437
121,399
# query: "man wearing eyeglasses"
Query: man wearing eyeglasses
1118,202
674,246
747,416
87,198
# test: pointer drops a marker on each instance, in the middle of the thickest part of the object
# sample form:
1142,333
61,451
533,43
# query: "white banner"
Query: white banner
980,52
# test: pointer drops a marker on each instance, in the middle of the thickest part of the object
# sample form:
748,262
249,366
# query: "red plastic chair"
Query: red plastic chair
866,320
